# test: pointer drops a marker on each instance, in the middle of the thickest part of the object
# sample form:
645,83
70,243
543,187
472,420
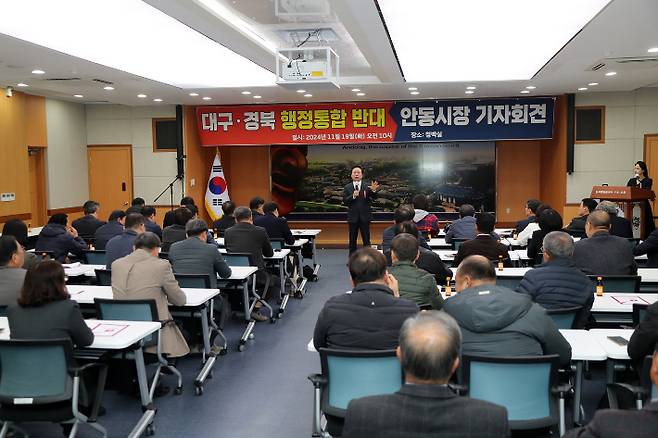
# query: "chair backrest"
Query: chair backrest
103,277
633,242
638,313
3,310
354,374
128,310
25,380
237,259
511,282
95,257
564,318
619,283
277,244
520,384
456,243
199,281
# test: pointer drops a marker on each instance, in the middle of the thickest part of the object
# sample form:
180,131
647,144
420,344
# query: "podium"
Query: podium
634,201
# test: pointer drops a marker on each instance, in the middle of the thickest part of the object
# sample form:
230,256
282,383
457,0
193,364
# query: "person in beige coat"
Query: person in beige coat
143,275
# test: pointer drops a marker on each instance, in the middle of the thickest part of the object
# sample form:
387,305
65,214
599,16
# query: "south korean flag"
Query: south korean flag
217,190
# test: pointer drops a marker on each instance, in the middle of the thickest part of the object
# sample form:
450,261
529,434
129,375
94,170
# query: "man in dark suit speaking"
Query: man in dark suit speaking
358,196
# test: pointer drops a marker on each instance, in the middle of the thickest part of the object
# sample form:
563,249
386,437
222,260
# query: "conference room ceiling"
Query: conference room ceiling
617,39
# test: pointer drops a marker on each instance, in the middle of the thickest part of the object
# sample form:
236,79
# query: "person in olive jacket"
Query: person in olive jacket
414,283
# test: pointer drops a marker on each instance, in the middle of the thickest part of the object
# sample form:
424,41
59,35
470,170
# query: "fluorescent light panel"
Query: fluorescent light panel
481,40
134,37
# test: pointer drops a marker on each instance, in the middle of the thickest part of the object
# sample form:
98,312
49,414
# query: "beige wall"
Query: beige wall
628,116
66,160
119,124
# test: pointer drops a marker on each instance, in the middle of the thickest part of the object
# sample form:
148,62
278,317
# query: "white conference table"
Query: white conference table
119,335
80,269
311,234
614,351
447,255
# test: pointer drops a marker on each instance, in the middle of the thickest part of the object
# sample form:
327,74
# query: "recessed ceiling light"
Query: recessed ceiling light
257,97
157,100
469,92
471,87
20,84
414,92
356,90
194,94
142,96
360,94
653,50
78,96
308,95
301,91
611,73
457,62
525,92
592,84
582,89
413,88
38,72
530,87
183,57
206,98
108,88
246,93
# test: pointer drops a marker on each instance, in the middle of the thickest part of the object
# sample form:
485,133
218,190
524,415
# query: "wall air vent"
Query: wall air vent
625,63
103,81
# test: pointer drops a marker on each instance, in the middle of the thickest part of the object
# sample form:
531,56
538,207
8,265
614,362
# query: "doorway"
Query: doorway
37,175
110,170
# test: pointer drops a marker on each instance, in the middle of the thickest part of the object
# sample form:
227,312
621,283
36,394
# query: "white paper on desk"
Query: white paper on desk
104,329
71,265
628,299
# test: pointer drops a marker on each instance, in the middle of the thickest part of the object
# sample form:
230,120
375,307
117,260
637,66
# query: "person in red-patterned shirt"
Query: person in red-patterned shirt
427,223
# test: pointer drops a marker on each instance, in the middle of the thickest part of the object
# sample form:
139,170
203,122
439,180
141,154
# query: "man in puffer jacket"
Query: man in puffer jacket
557,283
57,237
496,321
414,283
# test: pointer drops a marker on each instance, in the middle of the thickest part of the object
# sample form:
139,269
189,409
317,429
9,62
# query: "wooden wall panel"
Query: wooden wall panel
517,178
14,164
35,112
553,169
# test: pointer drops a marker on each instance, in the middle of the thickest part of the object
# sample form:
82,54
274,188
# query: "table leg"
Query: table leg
247,334
578,392
282,295
610,371
146,421
208,363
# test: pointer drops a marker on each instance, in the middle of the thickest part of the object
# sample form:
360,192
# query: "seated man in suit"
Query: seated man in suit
176,231
577,225
123,244
427,259
194,256
530,212
619,226
256,205
59,238
169,216
276,226
611,423
113,227
138,202
645,336
483,244
413,283
142,275
87,225
557,283
464,227
430,344
496,321
12,274
523,237
150,224
245,237
404,213
227,220
602,253
369,317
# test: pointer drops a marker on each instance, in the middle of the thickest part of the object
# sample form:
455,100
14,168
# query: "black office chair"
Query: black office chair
103,277
456,243
619,283
638,313
627,396
198,281
277,244
96,257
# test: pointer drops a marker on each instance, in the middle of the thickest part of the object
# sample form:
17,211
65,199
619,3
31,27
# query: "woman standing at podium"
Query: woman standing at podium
643,181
